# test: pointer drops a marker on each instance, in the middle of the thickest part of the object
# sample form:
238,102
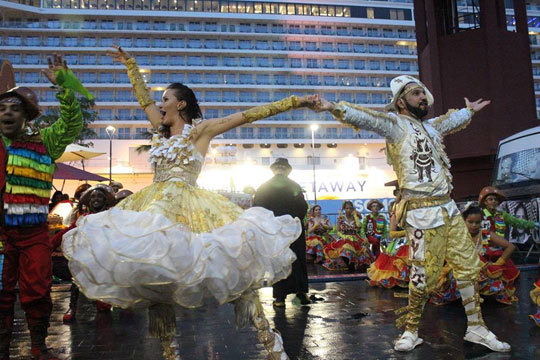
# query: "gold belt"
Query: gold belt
412,204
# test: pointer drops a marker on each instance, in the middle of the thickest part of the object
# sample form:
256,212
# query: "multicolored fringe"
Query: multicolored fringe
498,226
28,184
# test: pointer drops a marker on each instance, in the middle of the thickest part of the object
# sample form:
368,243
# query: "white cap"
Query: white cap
398,83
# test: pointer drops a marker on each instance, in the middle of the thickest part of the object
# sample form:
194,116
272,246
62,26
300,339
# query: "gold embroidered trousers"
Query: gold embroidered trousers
428,251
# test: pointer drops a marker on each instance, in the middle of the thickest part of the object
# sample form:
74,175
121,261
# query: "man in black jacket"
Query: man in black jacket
285,197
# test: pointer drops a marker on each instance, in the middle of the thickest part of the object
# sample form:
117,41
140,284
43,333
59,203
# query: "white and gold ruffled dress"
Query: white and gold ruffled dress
173,242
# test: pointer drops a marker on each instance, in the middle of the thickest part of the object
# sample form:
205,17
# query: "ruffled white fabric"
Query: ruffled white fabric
178,149
135,258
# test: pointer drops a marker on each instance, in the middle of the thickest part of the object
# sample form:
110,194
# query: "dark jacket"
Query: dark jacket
285,197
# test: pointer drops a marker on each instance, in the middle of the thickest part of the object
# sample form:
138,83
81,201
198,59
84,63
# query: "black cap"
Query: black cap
281,162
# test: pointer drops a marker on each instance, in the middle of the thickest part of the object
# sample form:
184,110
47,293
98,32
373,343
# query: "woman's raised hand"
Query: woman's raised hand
119,54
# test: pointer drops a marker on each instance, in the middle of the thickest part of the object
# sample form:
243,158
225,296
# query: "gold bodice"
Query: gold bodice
175,158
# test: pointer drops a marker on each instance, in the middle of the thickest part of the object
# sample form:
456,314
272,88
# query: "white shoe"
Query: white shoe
481,335
407,341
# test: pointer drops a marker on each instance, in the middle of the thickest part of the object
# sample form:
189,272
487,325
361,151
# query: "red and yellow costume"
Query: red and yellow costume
535,297
348,245
316,240
494,280
392,267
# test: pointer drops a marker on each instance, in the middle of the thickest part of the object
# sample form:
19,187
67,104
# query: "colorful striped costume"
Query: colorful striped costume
374,229
28,184
26,173
499,220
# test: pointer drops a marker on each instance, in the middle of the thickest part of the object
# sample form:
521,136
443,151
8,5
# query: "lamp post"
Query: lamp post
313,128
110,131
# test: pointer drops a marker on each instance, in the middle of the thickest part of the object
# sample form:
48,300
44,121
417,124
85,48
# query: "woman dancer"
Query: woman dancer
348,250
173,243
318,236
392,267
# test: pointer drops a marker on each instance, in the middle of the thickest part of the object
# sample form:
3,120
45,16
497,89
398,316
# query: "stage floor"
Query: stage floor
354,321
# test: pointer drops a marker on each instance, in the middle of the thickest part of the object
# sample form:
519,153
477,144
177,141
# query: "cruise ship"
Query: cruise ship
234,55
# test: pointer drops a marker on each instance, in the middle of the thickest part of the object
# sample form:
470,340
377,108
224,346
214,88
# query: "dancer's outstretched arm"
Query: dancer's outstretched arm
213,127
139,86
70,123
456,120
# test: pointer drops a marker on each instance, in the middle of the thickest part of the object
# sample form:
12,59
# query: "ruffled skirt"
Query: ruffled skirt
390,270
351,247
499,284
175,243
535,293
315,246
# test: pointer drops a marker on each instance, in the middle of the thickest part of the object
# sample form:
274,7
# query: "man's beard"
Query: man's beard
416,111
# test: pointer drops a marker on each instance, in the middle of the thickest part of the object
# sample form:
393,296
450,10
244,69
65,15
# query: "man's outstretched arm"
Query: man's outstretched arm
457,120
362,118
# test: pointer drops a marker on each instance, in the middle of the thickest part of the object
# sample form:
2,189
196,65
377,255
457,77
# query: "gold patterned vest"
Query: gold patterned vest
419,160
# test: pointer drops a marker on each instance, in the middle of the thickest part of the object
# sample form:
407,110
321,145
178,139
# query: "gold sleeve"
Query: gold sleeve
141,91
264,111
398,234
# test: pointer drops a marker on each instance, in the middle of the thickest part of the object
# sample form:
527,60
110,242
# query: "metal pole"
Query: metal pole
110,160
313,163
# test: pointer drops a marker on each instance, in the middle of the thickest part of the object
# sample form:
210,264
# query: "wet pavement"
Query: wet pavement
354,321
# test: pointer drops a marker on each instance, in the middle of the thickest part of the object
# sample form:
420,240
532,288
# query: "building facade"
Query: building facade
234,55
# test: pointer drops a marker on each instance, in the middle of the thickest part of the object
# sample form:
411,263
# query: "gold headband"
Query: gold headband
411,89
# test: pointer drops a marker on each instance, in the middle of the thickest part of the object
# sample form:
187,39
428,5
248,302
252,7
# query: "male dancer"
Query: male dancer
435,228
26,171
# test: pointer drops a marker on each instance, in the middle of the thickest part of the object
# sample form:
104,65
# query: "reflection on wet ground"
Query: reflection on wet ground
354,321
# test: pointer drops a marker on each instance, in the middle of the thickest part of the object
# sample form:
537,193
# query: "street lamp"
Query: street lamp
313,127
110,131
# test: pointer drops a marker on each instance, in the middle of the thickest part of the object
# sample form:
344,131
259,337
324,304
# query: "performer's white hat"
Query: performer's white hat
398,83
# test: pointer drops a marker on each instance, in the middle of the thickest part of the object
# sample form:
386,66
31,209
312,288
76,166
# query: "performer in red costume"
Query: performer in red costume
27,166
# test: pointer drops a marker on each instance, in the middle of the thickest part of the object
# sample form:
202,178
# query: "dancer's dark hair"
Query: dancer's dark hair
345,203
471,210
182,92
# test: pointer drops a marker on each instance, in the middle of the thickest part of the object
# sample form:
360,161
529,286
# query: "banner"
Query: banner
523,209
328,184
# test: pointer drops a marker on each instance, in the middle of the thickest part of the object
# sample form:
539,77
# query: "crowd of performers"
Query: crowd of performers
174,244
383,248
356,241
